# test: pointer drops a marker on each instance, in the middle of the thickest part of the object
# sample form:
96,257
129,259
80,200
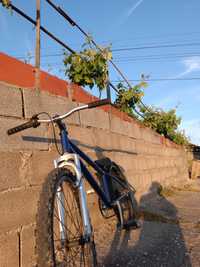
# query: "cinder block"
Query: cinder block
82,136
18,207
115,142
133,178
9,250
41,163
122,127
28,258
133,129
28,139
34,103
150,136
146,180
127,145
141,147
95,118
103,139
116,125
11,101
12,169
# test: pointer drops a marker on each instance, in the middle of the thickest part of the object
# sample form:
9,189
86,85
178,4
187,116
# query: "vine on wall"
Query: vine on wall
90,67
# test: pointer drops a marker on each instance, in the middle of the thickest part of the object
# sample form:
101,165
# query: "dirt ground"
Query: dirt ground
169,235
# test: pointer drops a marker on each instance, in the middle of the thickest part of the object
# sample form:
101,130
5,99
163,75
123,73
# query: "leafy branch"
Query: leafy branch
88,67
165,123
128,98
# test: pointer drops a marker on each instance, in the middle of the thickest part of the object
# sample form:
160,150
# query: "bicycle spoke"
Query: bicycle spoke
72,220
70,211
64,225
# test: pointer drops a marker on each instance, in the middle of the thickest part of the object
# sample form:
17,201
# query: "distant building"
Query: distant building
195,151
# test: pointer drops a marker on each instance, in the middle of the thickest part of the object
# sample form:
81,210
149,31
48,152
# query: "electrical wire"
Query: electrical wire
161,79
155,46
73,23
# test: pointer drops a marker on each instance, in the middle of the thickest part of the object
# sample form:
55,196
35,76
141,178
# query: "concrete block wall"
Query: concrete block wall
27,157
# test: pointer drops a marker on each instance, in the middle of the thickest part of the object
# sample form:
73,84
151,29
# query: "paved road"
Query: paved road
169,235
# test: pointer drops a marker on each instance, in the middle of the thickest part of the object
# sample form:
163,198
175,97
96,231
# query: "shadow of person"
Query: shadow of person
159,241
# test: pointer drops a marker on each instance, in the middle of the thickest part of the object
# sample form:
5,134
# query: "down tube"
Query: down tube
95,185
89,177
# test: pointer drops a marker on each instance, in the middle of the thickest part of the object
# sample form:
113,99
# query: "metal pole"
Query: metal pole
108,86
108,91
37,50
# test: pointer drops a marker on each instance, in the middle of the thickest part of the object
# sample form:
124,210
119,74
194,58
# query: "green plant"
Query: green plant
128,98
165,123
88,67
5,3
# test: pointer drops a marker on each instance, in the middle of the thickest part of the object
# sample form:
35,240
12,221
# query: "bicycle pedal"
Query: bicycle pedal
131,224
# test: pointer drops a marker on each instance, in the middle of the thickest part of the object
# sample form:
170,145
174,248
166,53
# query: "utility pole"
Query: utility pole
108,93
37,49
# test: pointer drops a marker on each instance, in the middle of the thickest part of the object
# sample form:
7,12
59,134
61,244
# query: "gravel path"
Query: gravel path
169,235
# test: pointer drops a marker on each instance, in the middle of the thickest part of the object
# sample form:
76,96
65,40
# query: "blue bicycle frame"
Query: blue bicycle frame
69,147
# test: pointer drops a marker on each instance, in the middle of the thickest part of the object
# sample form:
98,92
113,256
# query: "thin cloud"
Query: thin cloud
130,11
133,8
191,64
192,128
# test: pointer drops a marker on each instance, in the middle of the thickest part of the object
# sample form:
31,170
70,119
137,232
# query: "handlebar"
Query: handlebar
99,103
32,123
35,121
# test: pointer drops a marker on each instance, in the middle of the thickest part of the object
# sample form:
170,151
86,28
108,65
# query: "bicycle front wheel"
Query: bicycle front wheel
59,227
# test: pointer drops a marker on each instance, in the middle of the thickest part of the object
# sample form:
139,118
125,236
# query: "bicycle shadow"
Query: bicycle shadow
159,241
98,150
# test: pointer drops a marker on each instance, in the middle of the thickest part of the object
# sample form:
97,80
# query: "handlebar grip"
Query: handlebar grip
99,103
32,123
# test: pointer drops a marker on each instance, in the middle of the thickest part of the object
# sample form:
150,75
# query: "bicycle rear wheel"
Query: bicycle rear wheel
122,190
59,227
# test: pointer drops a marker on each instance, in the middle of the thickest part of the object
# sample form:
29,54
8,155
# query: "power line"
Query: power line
161,79
155,46
126,58
159,56
73,23
160,36
21,13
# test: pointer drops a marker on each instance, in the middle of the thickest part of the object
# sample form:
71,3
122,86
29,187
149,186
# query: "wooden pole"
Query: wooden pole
37,49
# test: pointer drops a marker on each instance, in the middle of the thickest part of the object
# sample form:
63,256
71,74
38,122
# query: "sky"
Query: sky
160,39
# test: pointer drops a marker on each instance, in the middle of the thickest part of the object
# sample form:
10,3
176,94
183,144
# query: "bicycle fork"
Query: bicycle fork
72,161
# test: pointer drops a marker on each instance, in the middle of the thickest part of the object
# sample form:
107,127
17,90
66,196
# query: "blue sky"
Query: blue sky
124,24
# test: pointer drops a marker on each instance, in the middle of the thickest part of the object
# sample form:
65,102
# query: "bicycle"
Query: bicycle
64,234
